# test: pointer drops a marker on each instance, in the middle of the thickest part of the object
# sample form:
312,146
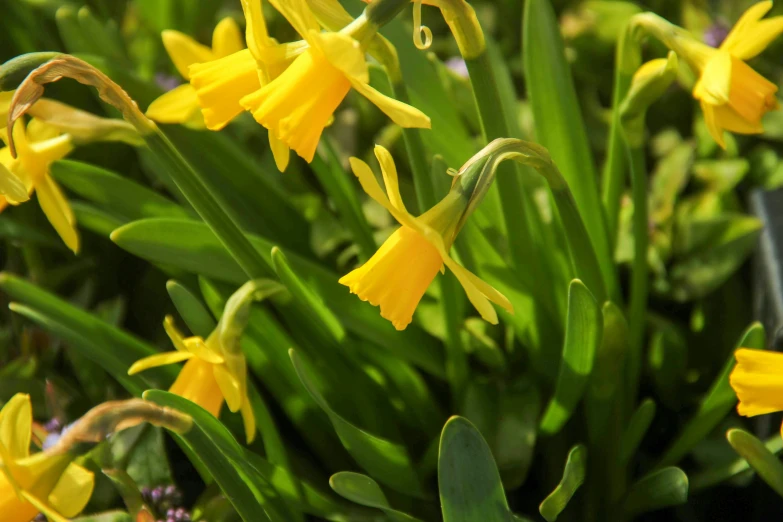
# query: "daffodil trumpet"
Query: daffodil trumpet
215,369
398,275
757,380
733,96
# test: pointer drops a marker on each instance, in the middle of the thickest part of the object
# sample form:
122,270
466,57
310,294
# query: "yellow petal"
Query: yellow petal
221,84
758,381
199,348
400,113
40,130
177,339
714,85
14,508
46,152
745,32
176,106
159,359
230,387
280,152
5,103
248,420
227,38
298,15
58,212
330,14
44,508
72,491
196,382
16,421
184,51
256,33
373,189
712,124
389,171
344,53
11,186
728,119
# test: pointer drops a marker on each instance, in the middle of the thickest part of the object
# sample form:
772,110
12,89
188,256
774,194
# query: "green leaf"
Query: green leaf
559,124
129,491
365,491
385,460
113,349
91,218
113,193
717,474
469,482
193,247
607,376
663,488
584,325
141,452
251,494
637,427
761,459
715,405
573,477
191,309
311,306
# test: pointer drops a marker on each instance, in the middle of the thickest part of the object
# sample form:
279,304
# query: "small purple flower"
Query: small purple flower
458,65
715,34
166,82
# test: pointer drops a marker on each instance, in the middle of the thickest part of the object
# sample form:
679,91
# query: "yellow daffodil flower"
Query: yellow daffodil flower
38,146
211,374
733,96
399,273
300,84
46,483
758,381
180,105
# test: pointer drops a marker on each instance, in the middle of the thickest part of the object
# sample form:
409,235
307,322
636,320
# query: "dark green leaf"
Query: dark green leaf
761,459
663,488
573,477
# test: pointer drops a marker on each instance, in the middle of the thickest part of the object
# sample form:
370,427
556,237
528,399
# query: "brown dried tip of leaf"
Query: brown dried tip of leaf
113,416
67,66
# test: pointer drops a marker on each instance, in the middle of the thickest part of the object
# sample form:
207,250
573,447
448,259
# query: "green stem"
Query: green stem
214,212
639,266
338,187
417,155
494,125
627,59
381,12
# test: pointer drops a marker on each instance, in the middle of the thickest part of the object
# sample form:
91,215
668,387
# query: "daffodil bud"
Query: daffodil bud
237,311
649,83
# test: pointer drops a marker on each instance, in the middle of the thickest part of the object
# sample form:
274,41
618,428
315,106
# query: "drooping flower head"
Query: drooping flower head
180,105
211,374
733,96
399,273
758,381
43,482
300,84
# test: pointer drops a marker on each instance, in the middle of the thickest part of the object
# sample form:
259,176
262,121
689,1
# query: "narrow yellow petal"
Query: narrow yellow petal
229,386
712,124
58,212
221,84
46,152
344,53
256,33
44,508
177,338
227,38
16,421
400,113
72,491
280,152
389,171
298,15
248,420
200,349
184,51
179,105
476,297
160,359
373,189
744,29
11,186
